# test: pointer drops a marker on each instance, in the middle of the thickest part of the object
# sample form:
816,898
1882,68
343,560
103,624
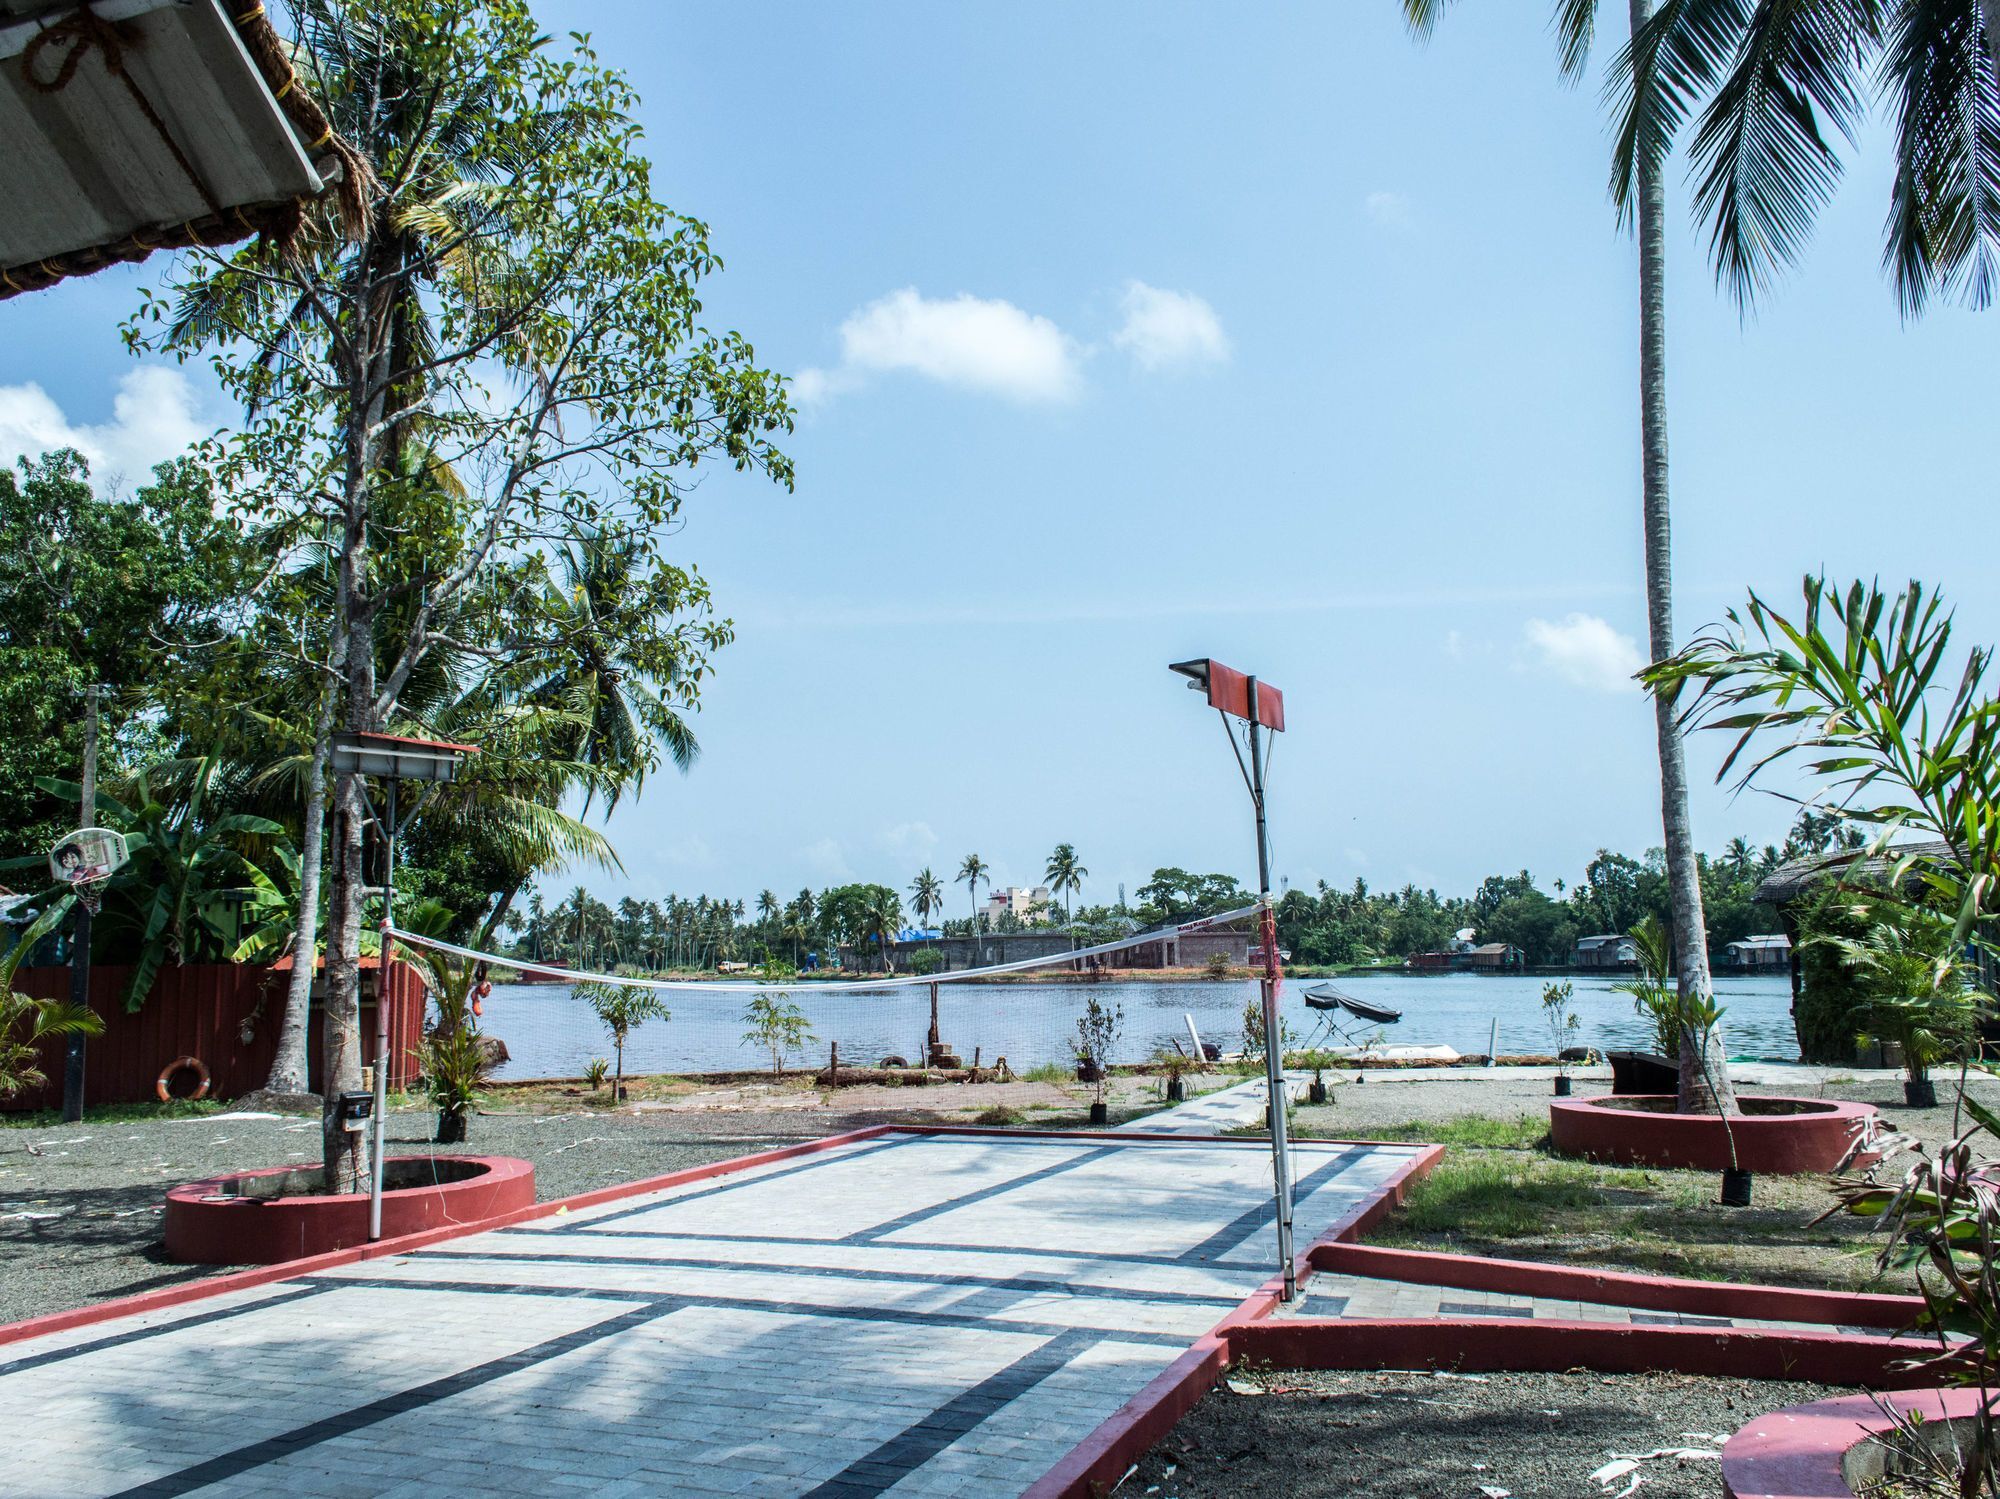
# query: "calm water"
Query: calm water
548,1034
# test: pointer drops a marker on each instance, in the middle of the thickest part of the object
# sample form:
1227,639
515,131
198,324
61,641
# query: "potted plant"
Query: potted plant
1317,1061
1174,1065
1915,995
1097,1032
1563,1024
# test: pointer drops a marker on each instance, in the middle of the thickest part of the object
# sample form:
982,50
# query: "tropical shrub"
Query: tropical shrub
1097,1032
773,1022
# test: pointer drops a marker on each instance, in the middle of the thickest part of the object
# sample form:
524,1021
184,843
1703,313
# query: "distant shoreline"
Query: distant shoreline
1057,975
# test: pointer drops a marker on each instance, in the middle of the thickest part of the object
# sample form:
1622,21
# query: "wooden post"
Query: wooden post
833,1065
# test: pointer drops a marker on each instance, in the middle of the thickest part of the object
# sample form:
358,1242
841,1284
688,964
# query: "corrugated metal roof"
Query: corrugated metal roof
1788,882
133,124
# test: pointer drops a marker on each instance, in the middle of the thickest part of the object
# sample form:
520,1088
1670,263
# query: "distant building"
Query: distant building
1767,954
1611,950
1014,901
1493,956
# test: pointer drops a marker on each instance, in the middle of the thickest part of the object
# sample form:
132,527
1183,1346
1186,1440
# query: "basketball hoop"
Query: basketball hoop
85,859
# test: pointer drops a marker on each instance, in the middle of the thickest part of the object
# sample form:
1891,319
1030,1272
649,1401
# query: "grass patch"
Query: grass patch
1049,1072
1000,1116
1477,1131
1524,1203
120,1113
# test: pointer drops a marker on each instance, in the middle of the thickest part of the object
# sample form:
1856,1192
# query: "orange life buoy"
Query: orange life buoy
178,1065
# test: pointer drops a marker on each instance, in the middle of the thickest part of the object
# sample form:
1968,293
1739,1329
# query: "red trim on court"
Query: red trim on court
1496,1344
1798,1452
1100,1459
1614,1288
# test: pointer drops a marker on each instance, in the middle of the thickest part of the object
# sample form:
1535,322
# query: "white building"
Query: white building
1015,900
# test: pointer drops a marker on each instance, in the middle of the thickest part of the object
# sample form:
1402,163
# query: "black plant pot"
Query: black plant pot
1562,1085
1919,1095
1176,1090
451,1128
1735,1188
1317,1092
1100,1113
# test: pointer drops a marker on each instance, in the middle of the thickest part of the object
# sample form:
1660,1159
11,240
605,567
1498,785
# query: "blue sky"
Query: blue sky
1137,332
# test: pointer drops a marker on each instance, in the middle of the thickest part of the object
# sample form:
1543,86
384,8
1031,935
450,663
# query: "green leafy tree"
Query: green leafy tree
622,1009
98,589
971,873
1769,80
773,1022
926,896
507,223
1065,874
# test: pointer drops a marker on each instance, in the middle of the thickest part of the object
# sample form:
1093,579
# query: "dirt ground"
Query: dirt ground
1399,1435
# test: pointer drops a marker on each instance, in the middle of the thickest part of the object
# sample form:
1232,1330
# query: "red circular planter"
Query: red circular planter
1779,1136
247,1219
1821,1451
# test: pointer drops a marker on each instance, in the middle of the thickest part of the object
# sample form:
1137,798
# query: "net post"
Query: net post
1274,1045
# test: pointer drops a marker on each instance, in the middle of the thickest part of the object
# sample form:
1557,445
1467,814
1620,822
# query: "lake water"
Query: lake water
549,1034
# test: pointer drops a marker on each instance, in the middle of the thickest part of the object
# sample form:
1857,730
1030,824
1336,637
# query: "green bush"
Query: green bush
924,960
1827,1015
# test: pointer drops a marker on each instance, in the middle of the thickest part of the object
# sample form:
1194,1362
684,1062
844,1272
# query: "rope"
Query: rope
82,30
771,986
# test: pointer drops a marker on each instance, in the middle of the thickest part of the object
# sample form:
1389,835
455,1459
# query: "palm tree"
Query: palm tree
1065,875
1645,204
1771,75
1739,857
879,920
926,895
970,874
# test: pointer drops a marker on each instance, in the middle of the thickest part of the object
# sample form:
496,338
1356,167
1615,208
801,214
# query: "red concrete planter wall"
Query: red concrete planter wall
213,1223
1807,1451
1777,1136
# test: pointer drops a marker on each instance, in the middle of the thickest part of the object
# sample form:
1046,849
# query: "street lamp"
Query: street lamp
394,760
1234,695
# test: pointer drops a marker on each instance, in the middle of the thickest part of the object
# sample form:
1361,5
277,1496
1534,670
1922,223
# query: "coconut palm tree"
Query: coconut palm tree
970,874
1065,875
879,921
1645,206
926,895
1768,78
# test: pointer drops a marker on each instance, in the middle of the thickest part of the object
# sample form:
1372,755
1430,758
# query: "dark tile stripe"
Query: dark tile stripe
741,1181
272,1449
900,1456
983,1194
975,1321
835,1272
1645,1319
1475,1309
1094,1256
1246,1225
140,1334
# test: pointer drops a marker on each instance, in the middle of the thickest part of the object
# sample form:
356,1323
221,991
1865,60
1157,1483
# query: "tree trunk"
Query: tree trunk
290,1068
1704,1083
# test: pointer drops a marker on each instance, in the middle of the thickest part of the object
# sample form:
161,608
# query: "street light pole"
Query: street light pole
1268,983
1262,707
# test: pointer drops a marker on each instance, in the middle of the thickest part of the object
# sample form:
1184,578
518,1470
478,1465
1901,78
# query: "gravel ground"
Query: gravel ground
1397,1435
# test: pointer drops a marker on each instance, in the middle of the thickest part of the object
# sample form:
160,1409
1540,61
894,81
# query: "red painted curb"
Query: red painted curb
1100,1459
1615,1288
1517,1344
1800,1452
205,1227
1625,1133
243,1280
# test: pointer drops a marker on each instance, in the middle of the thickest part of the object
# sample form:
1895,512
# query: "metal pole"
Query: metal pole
73,1058
1274,1046
382,1020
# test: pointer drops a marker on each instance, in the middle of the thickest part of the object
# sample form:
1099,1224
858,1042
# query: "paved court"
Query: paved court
908,1315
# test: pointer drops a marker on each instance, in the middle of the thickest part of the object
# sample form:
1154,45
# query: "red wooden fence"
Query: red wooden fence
226,1014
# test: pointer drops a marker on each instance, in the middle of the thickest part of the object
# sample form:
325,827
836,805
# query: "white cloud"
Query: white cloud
976,343
1387,209
152,419
909,840
691,850
824,858
1169,329
1585,651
